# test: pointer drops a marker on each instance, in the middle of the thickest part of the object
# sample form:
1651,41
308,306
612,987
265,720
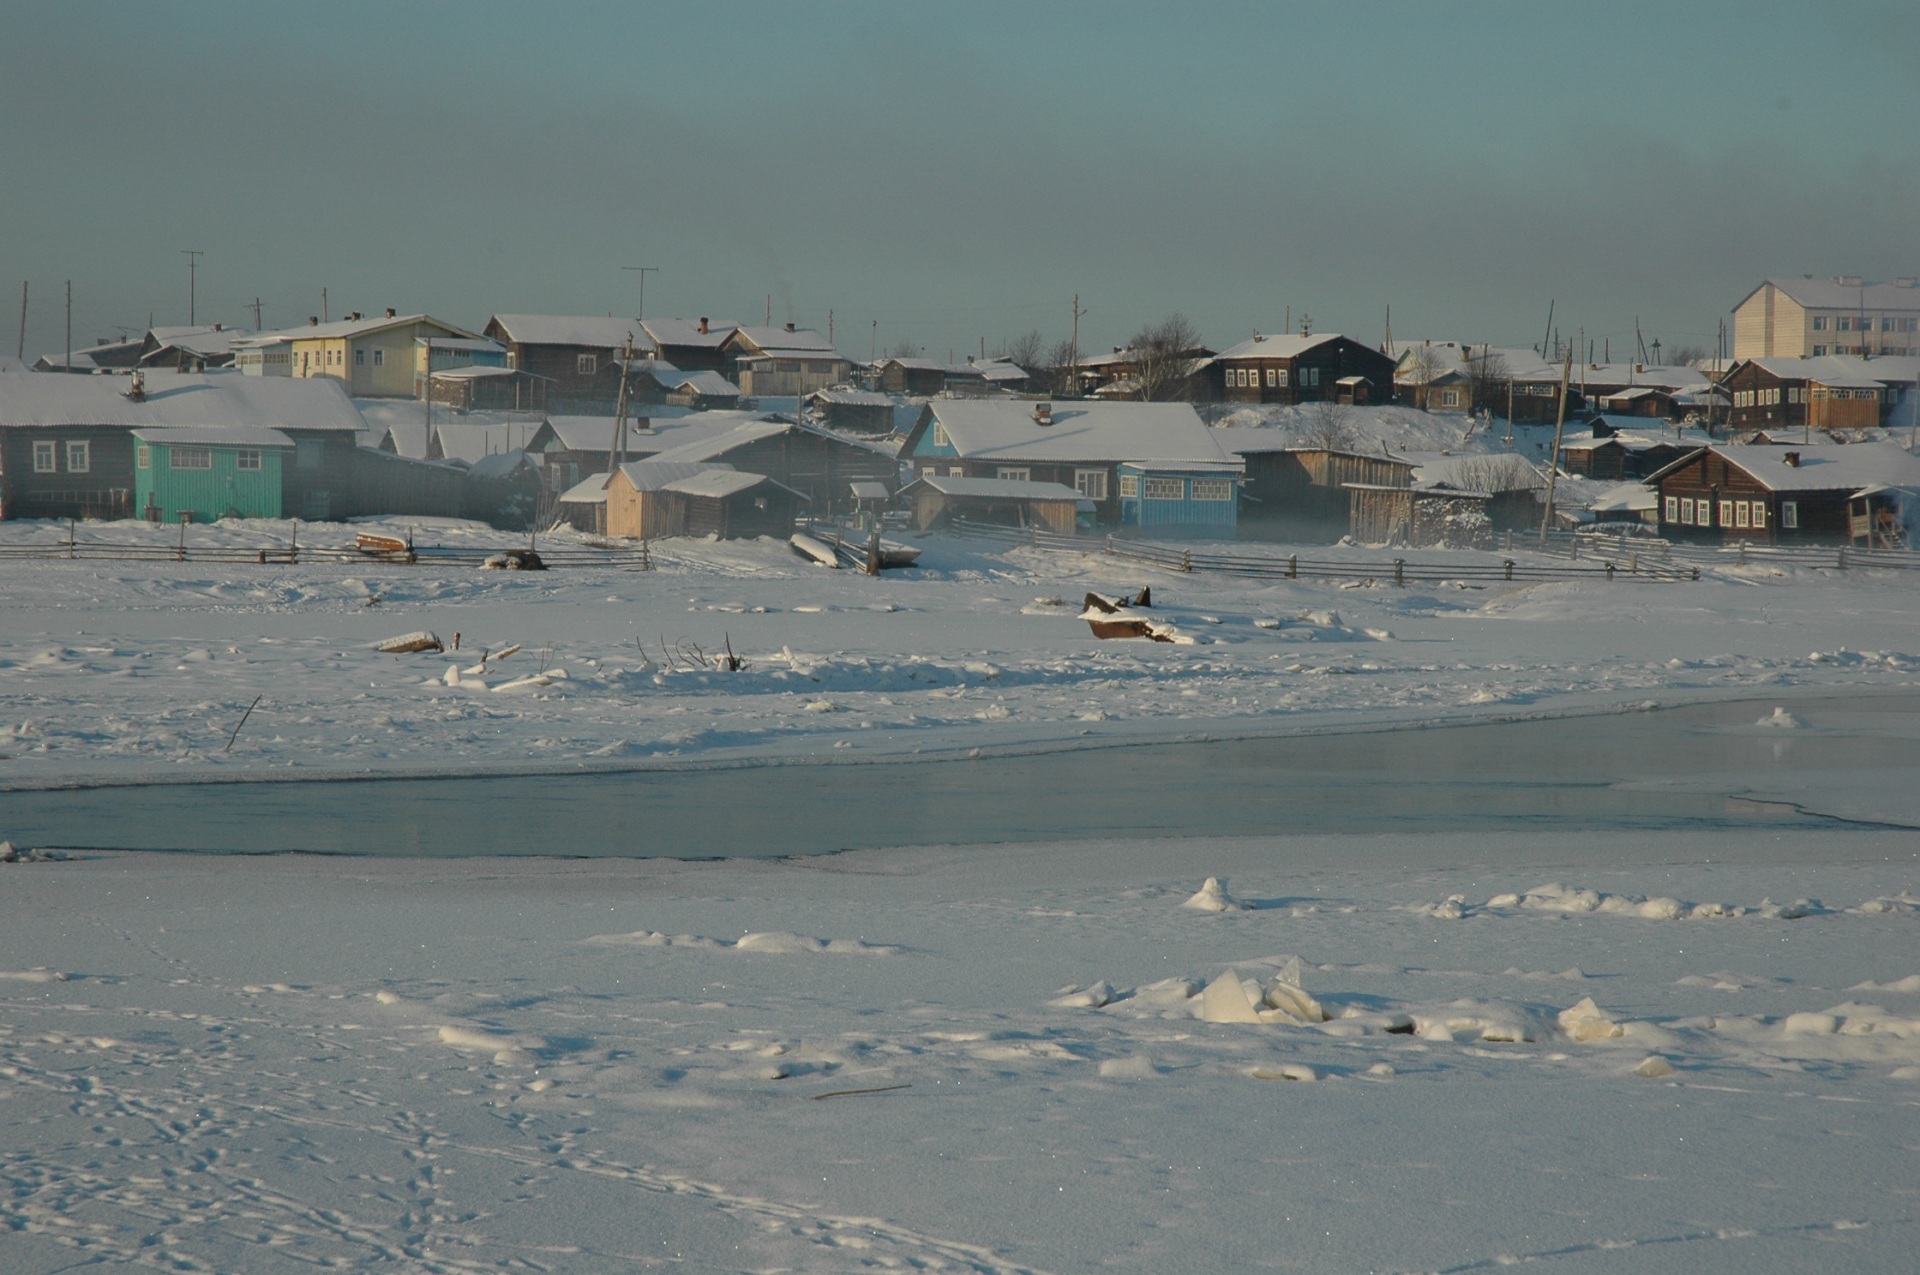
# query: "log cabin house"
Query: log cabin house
1782,495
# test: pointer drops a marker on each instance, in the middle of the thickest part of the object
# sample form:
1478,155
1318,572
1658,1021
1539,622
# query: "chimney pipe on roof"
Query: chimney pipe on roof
137,389
1792,459
313,320
789,327
216,327
1043,414
703,325
389,312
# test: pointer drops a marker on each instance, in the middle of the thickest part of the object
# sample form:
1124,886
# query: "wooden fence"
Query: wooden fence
292,552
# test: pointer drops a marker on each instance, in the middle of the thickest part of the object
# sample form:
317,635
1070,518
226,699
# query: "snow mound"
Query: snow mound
1780,720
1213,897
770,943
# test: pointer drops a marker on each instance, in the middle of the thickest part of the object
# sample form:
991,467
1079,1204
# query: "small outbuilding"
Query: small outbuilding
733,505
204,475
1002,502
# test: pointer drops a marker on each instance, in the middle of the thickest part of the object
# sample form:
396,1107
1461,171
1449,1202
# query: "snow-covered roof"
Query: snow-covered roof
342,328
174,399
718,443
687,332
914,364
799,343
867,489
1626,498
659,369
1831,294
1278,345
1475,471
1005,429
720,483
472,441
709,384
480,372
652,475
204,342
591,490
501,464
1841,369
236,436
851,398
1822,467
996,370
478,344
1635,374
1004,488
596,331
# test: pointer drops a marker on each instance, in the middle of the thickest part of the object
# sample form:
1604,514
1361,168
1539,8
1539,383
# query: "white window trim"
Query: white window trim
1091,483
183,457
1212,489
1790,515
1014,473
79,457
248,458
46,458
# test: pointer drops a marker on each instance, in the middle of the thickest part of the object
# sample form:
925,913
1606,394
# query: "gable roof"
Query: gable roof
346,329
1831,294
1005,488
1838,369
234,436
1005,429
1823,466
803,343
178,399
687,332
653,475
719,483
1277,346
602,332
709,384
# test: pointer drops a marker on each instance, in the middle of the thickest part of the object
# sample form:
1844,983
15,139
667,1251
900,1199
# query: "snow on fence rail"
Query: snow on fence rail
1590,544
292,551
1294,567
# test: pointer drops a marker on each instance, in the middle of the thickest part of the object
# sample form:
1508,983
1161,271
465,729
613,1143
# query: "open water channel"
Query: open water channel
1692,768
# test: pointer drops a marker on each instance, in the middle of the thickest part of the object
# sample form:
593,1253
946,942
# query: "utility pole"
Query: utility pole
642,271
617,448
1553,461
256,314
69,366
769,309
829,327
193,256
323,306
21,353
873,351
1073,366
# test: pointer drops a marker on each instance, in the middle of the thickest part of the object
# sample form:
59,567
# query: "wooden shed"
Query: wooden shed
1416,516
1300,493
731,505
633,504
204,475
1004,502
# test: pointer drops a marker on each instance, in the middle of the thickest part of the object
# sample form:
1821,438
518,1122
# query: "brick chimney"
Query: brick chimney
1792,459
390,312
1043,414
703,325
789,327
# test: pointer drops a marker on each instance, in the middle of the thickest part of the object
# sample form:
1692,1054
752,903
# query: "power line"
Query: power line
193,256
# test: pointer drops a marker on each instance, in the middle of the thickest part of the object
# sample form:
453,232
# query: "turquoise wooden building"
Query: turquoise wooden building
1192,498
208,474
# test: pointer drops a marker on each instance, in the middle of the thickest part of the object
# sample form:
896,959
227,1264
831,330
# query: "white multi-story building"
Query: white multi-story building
1808,317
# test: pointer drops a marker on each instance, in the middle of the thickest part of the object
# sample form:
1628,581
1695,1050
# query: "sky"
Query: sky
953,175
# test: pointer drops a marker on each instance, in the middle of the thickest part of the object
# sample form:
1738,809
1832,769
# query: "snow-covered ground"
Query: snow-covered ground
1594,1051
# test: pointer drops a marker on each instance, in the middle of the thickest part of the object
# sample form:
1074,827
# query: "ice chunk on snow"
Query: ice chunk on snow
1284,995
1283,1071
1587,1021
1084,998
1213,897
1225,1000
1781,719
1654,1067
1137,1067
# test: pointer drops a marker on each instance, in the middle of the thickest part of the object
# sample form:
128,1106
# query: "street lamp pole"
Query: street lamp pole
642,271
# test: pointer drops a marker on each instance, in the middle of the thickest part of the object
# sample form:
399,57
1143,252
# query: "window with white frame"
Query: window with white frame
190,458
79,457
1790,515
359,358
1129,486
1449,398
247,458
1673,509
1742,513
1270,381
46,458
379,358
1760,514
1280,376
1819,323
940,438
143,457
1091,483
1164,489
1703,512
586,364
1686,510
1726,513
1014,473
1213,489
956,471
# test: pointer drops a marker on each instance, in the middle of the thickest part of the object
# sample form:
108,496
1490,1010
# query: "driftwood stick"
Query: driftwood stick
849,1093
242,722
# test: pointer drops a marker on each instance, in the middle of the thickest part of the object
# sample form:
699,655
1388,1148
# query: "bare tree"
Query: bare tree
1028,350
903,349
1165,358
1686,355
1487,378
1326,425
1057,363
1420,365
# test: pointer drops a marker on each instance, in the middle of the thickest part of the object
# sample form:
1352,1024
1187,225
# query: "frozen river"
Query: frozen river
1698,767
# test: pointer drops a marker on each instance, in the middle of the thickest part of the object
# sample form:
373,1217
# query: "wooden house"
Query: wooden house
817,463
1001,502
692,345
503,490
1832,392
572,447
578,355
1778,495
67,448
489,389
784,361
708,391
1084,446
632,503
1639,400
733,505
911,376
1299,369
1300,493
205,475
853,411
1419,517
190,349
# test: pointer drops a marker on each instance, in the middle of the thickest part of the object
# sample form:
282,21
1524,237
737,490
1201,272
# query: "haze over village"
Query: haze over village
973,638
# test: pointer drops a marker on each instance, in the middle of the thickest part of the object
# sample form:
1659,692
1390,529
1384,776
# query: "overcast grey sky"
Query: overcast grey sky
956,172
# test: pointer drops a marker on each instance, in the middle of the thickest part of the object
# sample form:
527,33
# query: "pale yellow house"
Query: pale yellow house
375,357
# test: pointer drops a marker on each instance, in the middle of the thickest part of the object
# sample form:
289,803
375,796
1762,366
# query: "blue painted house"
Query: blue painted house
204,475
1155,466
